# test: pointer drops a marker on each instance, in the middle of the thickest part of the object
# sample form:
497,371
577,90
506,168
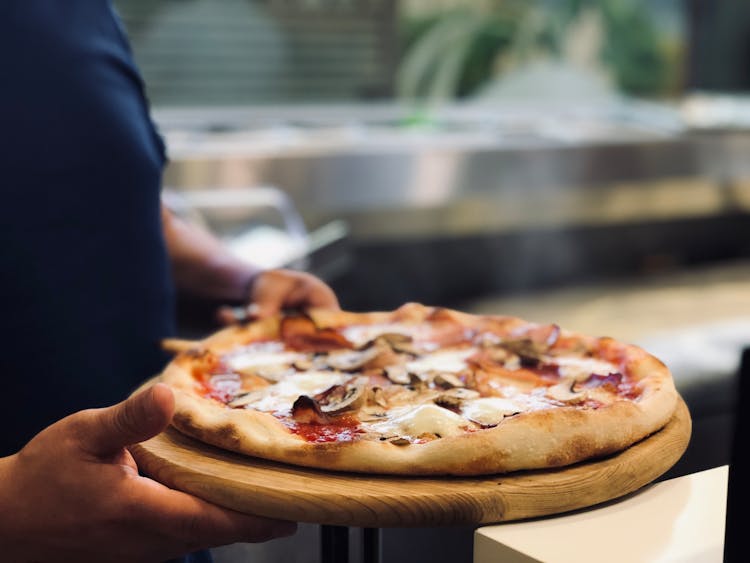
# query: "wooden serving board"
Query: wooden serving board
299,494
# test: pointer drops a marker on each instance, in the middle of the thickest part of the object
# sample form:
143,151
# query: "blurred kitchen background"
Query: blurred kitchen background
585,162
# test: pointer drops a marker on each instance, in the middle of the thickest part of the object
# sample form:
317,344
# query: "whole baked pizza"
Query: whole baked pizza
417,391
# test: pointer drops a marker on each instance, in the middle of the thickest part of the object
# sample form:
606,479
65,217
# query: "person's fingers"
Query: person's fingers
273,302
232,315
319,294
276,290
198,523
106,431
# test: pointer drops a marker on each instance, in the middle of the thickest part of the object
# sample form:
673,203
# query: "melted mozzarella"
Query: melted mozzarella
490,410
362,334
581,369
262,354
450,360
411,422
280,396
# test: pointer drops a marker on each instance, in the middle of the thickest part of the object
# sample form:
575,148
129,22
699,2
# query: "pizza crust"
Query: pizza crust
539,439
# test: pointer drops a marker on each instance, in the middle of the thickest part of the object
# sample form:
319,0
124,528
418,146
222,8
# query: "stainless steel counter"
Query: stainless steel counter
466,170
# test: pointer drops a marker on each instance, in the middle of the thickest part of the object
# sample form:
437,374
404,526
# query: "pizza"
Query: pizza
417,391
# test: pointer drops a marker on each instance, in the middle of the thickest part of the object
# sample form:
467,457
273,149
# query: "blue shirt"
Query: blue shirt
85,287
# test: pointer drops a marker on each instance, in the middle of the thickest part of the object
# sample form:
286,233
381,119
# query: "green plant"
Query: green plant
451,54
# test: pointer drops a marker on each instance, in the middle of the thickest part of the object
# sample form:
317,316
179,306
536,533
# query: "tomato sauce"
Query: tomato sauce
343,429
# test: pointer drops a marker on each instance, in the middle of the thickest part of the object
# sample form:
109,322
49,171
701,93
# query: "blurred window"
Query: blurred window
238,52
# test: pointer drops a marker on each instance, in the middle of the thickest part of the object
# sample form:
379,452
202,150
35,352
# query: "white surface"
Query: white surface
267,247
679,520
700,352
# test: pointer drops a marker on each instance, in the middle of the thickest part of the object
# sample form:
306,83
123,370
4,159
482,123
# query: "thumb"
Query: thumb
134,420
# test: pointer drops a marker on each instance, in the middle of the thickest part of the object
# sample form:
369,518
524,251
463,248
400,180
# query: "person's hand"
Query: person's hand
274,290
74,494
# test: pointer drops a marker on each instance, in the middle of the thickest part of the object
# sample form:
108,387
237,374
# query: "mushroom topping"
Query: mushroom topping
416,382
452,398
372,414
399,395
307,411
377,396
528,350
450,402
244,399
343,397
398,374
351,360
489,411
533,343
469,378
317,362
463,394
303,364
446,380
398,342
565,393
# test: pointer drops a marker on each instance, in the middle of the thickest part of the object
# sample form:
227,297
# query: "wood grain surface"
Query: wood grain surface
277,490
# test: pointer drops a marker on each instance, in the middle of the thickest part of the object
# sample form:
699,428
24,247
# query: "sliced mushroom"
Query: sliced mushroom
463,393
398,342
399,395
469,378
494,356
398,374
565,392
303,364
351,360
450,402
307,411
317,362
344,397
446,380
416,382
377,396
486,421
372,414
533,343
244,399
451,399
529,351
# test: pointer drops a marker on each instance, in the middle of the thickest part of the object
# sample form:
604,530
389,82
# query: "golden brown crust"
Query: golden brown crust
529,440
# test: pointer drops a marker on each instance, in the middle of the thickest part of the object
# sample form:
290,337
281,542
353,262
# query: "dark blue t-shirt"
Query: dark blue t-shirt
85,289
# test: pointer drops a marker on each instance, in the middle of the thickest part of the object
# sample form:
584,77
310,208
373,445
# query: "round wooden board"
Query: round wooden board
299,494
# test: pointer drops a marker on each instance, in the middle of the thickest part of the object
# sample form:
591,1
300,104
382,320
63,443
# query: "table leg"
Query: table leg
334,544
370,545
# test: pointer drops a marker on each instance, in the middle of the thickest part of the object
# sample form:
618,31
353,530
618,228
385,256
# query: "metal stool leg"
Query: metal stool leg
334,544
371,545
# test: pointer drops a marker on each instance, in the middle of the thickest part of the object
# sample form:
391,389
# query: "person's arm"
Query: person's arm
74,494
203,267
